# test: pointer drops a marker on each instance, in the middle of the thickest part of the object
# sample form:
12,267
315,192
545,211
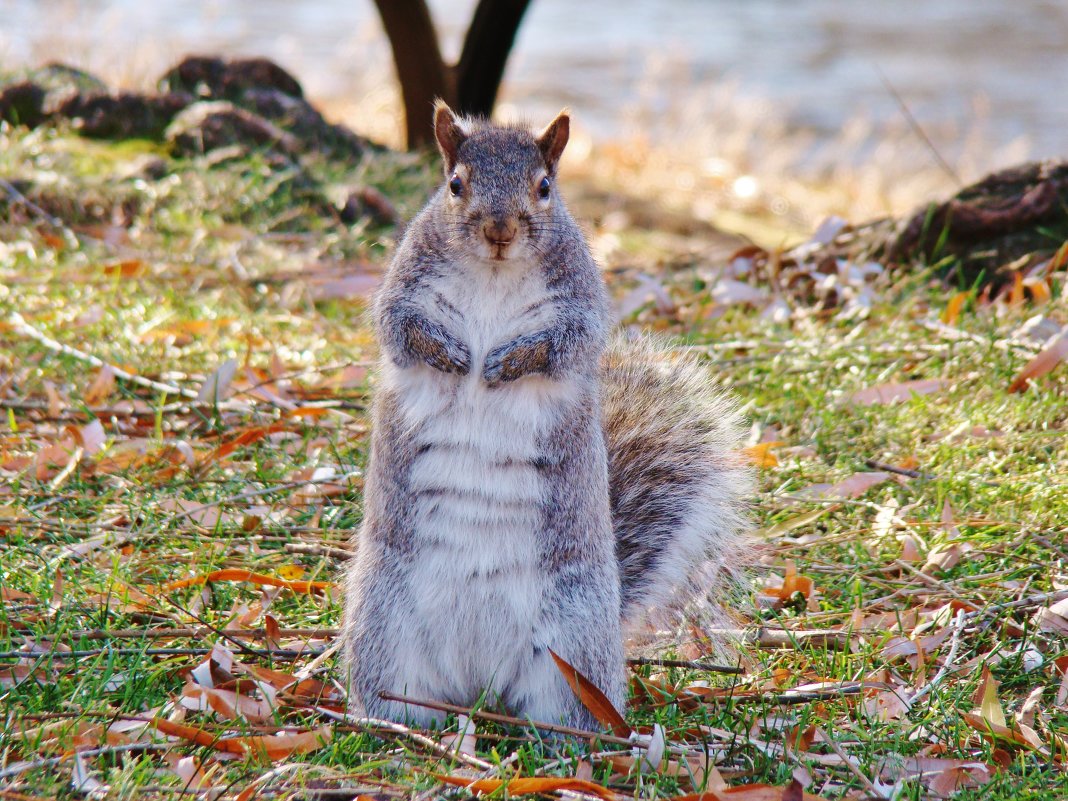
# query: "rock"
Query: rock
22,103
209,77
302,120
125,115
208,125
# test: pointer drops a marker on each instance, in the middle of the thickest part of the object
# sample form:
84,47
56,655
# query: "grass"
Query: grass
170,277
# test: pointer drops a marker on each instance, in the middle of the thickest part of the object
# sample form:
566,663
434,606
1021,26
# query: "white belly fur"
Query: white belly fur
475,587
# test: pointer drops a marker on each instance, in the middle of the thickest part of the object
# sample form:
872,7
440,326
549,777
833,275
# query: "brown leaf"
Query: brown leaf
527,786
1016,734
887,705
101,388
216,387
943,777
592,697
1050,356
1055,618
852,487
246,437
897,392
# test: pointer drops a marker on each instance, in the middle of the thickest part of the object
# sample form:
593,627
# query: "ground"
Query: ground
172,524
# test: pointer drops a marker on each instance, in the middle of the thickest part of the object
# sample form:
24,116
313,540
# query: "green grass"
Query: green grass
227,261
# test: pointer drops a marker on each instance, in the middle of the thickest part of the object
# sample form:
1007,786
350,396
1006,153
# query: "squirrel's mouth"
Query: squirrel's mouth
499,251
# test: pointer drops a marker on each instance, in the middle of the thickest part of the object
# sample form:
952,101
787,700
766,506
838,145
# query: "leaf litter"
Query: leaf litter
150,529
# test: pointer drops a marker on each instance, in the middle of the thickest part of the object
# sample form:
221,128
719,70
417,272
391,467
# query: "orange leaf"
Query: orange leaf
761,454
196,736
527,786
238,574
1039,288
131,268
272,747
592,698
246,437
308,411
1052,355
952,310
1060,258
792,582
1016,297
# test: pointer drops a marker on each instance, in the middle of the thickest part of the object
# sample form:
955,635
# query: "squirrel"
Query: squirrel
533,485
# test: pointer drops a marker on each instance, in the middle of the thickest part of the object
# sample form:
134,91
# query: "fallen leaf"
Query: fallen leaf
751,792
84,783
897,393
592,697
943,777
952,311
852,487
527,786
792,583
101,387
217,385
131,268
92,437
246,437
887,705
730,292
271,747
238,574
1050,356
761,455
1054,619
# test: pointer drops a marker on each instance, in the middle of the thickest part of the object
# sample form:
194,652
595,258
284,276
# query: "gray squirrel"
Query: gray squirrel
533,483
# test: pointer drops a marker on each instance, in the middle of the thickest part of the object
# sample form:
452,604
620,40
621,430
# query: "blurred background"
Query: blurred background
793,109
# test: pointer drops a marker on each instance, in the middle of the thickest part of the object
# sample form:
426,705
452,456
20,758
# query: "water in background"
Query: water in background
968,70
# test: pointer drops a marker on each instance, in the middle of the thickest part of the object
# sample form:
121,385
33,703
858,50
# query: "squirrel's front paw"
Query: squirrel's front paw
515,359
441,350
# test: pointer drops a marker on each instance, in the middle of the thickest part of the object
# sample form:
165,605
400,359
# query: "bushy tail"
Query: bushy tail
679,487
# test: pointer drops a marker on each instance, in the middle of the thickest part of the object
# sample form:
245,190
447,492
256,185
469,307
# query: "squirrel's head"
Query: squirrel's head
500,184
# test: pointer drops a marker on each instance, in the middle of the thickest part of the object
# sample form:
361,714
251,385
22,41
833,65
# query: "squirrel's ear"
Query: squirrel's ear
448,133
553,139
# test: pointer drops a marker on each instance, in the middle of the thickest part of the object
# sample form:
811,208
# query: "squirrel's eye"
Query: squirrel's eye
456,186
543,188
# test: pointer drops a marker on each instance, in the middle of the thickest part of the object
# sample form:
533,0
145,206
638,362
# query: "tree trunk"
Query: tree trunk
471,86
488,42
420,68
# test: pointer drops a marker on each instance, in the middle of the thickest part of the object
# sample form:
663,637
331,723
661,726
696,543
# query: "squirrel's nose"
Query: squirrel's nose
500,231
